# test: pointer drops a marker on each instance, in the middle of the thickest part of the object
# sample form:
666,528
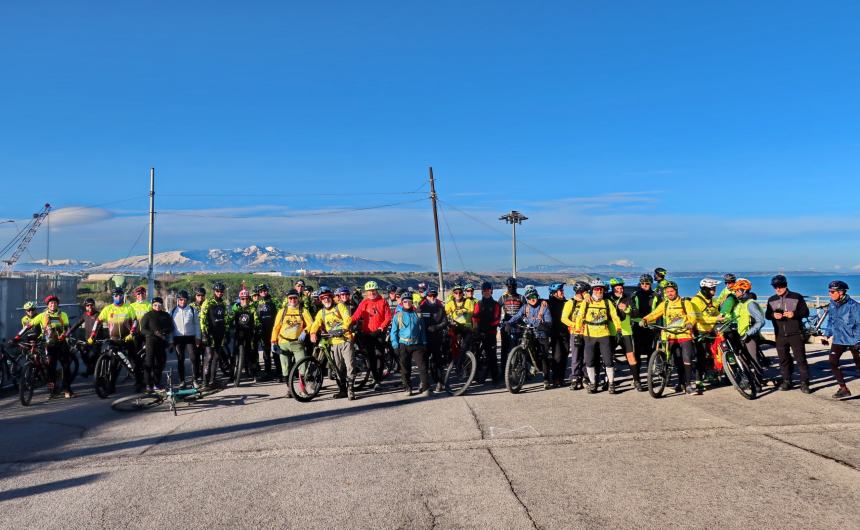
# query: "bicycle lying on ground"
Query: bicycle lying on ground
148,400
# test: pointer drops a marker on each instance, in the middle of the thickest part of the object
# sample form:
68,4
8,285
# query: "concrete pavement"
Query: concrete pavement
248,457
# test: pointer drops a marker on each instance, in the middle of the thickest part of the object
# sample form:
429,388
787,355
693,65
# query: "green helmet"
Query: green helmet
29,305
457,287
469,286
669,284
371,286
615,281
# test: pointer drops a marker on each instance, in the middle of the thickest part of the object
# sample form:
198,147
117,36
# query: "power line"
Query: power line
314,213
451,235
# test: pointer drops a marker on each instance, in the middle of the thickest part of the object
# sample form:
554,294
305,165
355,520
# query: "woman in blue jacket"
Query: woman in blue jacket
408,340
843,330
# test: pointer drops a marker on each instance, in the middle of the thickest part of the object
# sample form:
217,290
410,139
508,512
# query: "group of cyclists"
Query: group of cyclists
418,328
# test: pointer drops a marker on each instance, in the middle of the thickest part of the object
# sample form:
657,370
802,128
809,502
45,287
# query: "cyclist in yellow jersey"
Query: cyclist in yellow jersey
55,326
569,313
30,312
288,334
677,313
707,313
335,320
122,324
598,322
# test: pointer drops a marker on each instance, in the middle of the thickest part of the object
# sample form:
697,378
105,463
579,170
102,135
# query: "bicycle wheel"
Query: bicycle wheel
306,379
739,374
481,369
240,365
460,373
25,387
361,369
137,402
74,368
104,374
659,373
516,369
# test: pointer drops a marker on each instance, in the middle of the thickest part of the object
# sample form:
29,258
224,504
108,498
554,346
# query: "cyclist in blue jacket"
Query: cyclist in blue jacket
843,330
536,313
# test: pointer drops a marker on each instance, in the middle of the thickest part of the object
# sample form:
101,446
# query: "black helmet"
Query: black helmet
646,278
263,287
218,286
838,285
89,301
182,294
659,271
486,285
511,282
581,287
117,291
392,288
256,290
778,281
200,290
729,278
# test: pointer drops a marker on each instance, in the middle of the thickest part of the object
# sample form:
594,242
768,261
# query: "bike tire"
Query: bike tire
28,381
240,365
659,373
74,368
516,369
460,373
104,374
306,379
361,369
137,402
482,369
739,375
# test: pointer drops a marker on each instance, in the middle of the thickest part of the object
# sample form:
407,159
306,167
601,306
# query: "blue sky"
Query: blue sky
674,133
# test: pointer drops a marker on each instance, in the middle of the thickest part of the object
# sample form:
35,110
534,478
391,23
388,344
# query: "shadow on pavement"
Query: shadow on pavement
49,487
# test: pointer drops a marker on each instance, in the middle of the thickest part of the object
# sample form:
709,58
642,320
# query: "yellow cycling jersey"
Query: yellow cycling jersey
335,321
597,318
461,312
290,323
706,312
52,324
675,313
119,319
140,308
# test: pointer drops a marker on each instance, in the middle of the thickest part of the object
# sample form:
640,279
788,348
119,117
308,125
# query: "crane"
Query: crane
23,238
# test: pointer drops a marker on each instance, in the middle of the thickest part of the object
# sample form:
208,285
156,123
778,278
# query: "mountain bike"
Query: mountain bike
148,400
34,373
461,368
306,376
660,364
108,367
523,360
813,323
12,360
742,370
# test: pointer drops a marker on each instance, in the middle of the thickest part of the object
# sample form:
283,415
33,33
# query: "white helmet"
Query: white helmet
710,283
597,282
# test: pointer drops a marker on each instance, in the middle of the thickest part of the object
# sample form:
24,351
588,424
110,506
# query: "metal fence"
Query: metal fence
15,291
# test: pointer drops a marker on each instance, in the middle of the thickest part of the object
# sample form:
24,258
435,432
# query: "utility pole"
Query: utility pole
514,218
436,227
48,233
150,281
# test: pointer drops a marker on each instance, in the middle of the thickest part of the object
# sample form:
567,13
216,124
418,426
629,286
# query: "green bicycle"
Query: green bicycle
148,400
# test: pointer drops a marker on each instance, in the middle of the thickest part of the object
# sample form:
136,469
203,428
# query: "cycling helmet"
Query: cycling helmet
531,292
838,285
406,296
553,287
182,294
371,286
432,290
422,286
117,292
580,287
200,290
669,284
88,301
615,281
157,300
299,282
597,282
468,286
51,298
315,294
511,282
729,278
262,287
486,285
709,283
29,305
659,271
646,278
244,293
392,288
218,286
341,290
140,290
323,290
457,287
292,292
778,281
742,284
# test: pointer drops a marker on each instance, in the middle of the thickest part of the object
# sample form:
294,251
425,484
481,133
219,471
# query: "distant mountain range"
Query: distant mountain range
619,267
253,258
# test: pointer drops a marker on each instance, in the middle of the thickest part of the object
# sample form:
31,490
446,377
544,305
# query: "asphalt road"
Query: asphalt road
249,457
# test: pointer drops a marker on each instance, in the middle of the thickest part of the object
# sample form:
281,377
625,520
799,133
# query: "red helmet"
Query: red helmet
140,290
51,298
244,293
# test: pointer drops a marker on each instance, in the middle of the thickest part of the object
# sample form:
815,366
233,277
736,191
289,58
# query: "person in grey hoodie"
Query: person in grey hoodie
186,337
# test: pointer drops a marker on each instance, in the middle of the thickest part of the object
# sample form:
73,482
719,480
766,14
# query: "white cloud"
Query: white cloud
855,268
623,263
77,215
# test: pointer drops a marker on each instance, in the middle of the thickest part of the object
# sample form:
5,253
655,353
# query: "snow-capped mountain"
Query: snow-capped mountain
57,265
253,258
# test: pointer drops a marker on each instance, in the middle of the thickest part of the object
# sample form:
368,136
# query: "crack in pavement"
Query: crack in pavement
474,417
191,454
816,453
434,519
512,489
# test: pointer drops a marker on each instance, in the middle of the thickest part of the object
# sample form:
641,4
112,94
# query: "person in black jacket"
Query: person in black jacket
489,317
787,310
559,336
157,328
435,321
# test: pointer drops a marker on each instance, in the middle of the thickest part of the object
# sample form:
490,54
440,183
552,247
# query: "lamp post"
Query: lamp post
514,218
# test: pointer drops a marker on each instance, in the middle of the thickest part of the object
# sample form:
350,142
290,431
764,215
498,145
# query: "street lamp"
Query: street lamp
514,218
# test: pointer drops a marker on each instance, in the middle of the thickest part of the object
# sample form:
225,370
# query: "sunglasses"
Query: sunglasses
470,290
